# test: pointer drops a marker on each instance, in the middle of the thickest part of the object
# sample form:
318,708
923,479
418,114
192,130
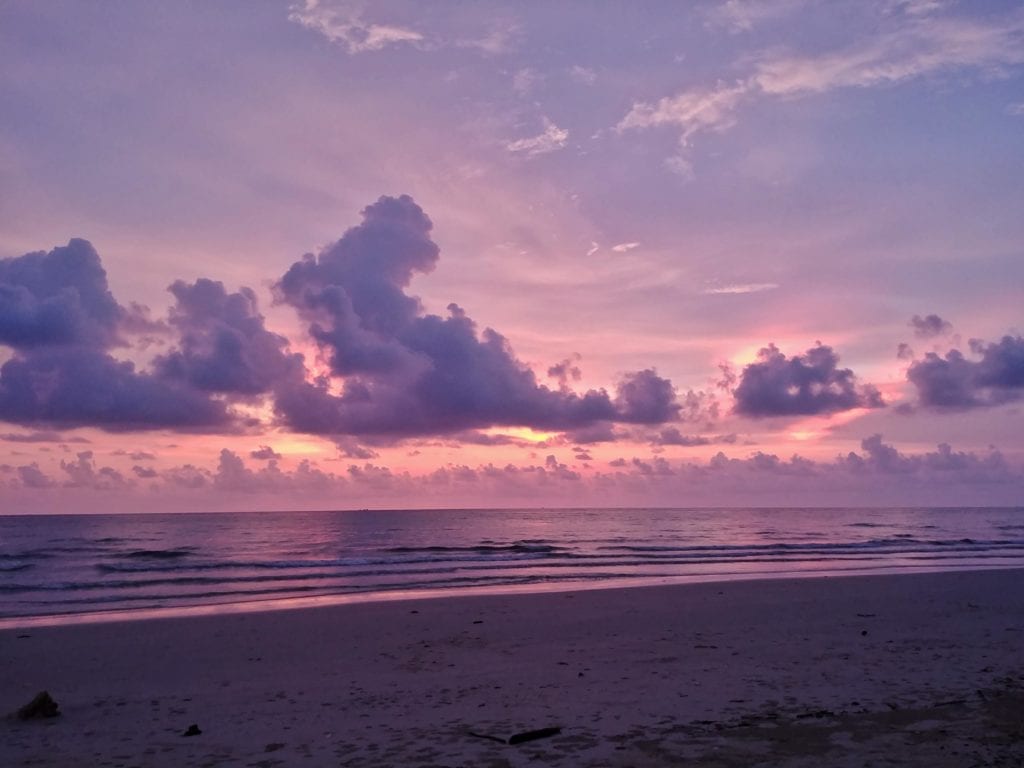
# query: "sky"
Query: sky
317,254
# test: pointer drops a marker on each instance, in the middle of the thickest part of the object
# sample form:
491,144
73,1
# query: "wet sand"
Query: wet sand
909,670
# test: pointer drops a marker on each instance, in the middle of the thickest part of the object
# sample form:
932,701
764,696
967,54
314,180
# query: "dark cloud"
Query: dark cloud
83,473
33,477
953,382
409,373
265,453
40,437
929,326
58,315
224,346
646,398
566,371
809,384
672,436
60,297
904,351
79,386
135,455
145,473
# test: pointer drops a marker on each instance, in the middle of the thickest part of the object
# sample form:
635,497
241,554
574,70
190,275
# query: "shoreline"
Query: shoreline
272,605
909,670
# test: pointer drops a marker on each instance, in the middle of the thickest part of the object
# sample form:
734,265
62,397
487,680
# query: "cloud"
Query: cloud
83,473
735,288
672,436
912,44
60,297
566,371
78,387
924,45
40,437
646,398
744,15
58,315
954,382
930,326
408,373
552,138
625,247
33,477
809,384
347,28
692,111
582,74
224,346
265,453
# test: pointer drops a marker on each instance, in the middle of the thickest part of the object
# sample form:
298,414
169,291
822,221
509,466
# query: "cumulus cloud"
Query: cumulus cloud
565,371
929,326
60,297
409,373
265,453
809,384
77,387
224,346
955,382
33,477
58,315
83,473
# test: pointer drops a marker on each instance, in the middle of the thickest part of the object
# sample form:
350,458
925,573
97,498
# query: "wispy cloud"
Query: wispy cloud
918,44
624,247
346,27
692,111
741,288
923,47
551,139
744,15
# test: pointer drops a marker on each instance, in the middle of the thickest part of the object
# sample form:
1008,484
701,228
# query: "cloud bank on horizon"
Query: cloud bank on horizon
637,259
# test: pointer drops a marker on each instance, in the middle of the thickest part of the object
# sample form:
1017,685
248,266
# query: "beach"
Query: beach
921,669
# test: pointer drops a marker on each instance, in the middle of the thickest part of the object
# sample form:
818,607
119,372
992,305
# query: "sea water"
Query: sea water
83,567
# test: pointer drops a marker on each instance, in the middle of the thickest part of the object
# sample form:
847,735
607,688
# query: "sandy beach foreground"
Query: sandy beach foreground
890,670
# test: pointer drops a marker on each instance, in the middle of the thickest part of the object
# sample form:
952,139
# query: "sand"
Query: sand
910,670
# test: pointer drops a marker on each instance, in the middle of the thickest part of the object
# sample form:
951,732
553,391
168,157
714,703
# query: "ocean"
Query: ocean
74,568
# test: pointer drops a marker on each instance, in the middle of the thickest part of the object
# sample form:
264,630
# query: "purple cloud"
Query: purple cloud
409,373
954,382
265,453
803,385
60,297
59,316
78,386
224,346
33,477
930,326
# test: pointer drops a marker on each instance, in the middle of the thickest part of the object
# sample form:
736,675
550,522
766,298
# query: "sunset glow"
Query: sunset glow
385,256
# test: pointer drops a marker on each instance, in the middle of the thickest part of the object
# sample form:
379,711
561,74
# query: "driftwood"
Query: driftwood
42,705
540,733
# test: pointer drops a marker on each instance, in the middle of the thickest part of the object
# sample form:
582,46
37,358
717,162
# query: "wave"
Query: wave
15,567
525,547
158,554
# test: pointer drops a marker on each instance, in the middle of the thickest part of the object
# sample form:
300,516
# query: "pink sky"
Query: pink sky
745,253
